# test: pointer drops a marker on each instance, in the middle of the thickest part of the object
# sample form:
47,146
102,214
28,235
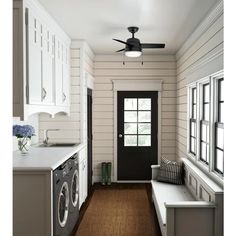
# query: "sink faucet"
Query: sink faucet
45,135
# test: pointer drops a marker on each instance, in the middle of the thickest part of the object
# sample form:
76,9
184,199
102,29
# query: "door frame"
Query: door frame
136,85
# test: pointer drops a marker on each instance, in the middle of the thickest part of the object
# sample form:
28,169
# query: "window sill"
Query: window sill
205,168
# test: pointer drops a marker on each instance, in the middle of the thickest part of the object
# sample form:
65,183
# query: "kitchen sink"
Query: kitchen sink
58,145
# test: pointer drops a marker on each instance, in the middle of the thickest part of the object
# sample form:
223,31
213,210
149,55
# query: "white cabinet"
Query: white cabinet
41,64
62,73
83,177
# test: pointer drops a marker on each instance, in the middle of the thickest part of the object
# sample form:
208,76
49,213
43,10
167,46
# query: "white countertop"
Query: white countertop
43,158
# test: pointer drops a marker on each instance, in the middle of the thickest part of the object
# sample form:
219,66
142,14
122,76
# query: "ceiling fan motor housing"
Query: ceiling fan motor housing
133,44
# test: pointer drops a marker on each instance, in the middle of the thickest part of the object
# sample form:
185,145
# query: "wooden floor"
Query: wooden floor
118,210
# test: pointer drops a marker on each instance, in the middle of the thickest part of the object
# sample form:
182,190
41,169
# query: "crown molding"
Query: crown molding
217,11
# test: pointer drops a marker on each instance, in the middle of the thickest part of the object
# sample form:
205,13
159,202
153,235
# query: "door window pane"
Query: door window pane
144,128
144,116
220,138
219,160
194,95
221,89
144,140
144,104
130,104
130,116
130,140
130,128
194,115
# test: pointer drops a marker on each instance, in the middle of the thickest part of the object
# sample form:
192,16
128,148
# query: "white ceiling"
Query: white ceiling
159,21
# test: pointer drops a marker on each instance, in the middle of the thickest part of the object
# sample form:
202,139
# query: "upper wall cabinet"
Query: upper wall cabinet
41,65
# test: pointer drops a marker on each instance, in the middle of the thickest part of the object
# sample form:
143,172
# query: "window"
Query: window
193,119
206,124
219,129
137,122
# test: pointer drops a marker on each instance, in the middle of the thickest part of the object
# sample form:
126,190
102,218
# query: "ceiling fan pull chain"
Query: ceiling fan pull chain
142,59
123,58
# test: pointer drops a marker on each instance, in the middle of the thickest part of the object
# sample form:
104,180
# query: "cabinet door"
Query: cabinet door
34,57
85,180
59,71
81,194
66,76
48,67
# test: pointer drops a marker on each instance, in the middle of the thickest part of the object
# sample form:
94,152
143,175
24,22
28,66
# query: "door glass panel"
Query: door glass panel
144,104
194,111
130,140
221,107
130,128
130,104
219,160
194,95
144,116
144,140
144,128
221,98
220,138
130,116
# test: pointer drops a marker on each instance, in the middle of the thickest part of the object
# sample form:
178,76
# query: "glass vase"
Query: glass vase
24,144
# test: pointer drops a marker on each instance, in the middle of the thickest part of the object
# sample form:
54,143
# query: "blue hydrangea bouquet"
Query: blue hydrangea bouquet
23,134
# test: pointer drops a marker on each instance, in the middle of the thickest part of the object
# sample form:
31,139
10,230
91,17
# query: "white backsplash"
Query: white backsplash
32,120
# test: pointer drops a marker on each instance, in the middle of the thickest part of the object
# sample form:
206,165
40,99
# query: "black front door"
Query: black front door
137,134
90,137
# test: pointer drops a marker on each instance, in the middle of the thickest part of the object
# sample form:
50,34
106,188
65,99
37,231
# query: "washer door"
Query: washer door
75,188
63,205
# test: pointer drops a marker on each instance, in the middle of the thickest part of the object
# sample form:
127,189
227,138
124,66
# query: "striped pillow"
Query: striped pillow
170,172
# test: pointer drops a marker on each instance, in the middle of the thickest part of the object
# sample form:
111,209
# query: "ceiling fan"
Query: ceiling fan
133,47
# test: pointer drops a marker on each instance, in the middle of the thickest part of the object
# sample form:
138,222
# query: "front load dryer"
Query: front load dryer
61,200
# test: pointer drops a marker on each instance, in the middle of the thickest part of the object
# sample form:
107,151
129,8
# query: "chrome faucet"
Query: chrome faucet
45,135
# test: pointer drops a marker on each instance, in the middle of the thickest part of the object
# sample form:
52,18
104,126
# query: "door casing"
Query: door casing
136,85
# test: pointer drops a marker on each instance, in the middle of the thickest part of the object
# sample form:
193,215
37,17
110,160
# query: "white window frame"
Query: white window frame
212,80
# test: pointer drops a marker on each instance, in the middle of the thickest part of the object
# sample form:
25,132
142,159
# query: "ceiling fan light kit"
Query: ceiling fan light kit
133,47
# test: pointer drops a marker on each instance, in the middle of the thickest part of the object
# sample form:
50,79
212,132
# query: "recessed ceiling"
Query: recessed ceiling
98,21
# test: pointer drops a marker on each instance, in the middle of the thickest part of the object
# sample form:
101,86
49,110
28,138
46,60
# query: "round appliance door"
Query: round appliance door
63,205
75,188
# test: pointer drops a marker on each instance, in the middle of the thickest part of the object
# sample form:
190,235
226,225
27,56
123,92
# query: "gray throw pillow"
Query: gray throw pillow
170,172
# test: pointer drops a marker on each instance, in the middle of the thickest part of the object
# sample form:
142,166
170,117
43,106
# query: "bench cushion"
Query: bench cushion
165,192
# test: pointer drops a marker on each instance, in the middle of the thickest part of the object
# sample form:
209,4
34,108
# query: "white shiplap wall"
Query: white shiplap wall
109,67
196,59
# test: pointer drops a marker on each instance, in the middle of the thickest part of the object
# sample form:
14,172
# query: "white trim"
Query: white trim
89,80
203,27
135,85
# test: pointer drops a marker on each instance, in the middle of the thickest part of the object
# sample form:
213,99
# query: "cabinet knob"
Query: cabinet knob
120,135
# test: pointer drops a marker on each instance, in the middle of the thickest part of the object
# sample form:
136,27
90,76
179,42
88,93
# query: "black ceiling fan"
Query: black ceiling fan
133,47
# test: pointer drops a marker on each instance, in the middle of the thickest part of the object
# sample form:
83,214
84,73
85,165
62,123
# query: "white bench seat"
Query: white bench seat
169,193
194,208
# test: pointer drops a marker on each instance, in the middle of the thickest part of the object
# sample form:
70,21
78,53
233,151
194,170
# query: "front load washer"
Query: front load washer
74,192
61,200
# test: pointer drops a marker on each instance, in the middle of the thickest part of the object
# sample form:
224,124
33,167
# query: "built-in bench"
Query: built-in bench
192,209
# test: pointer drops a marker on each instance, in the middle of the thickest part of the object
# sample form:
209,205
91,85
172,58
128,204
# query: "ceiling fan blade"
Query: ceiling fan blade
121,50
120,41
153,45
